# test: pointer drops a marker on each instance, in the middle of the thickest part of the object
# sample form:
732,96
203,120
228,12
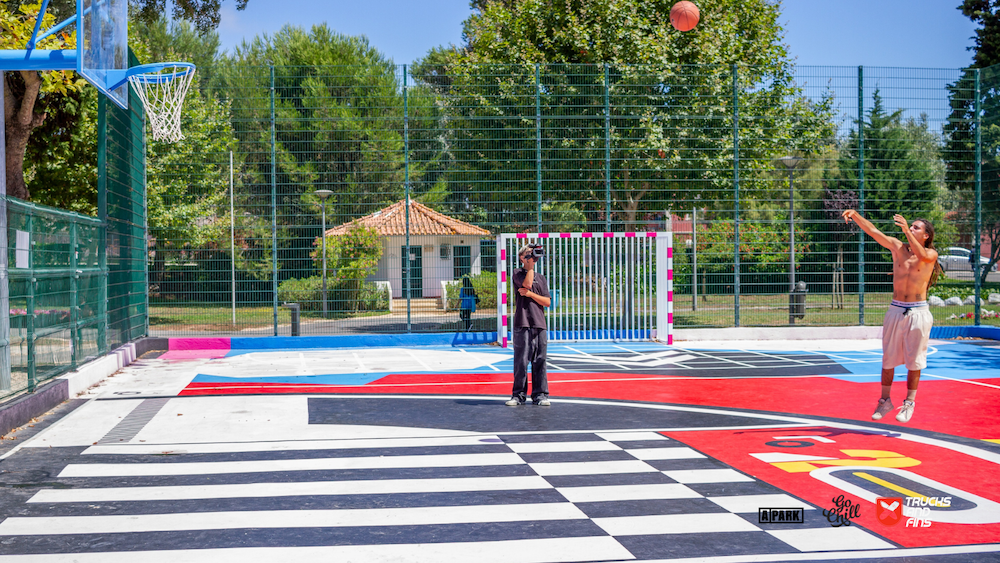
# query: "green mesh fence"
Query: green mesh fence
749,167
77,284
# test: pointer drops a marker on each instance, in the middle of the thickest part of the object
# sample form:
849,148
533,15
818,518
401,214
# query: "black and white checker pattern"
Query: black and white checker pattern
532,497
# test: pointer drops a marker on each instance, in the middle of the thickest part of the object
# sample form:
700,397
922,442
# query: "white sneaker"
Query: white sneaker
513,402
905,411
543,402
883,408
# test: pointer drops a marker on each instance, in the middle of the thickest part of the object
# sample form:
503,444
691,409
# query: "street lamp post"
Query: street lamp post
791,163
322,195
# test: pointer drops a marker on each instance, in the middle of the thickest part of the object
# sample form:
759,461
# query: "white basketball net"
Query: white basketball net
162,96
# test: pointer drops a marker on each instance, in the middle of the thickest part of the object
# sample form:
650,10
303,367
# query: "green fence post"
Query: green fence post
30,318
861,194
607,150
979,203
538,150
102,214
406,187
274,211
74,304
736,196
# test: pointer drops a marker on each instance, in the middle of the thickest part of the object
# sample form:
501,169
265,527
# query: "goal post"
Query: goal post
603,286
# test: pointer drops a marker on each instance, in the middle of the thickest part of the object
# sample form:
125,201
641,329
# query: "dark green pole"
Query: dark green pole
30,313
861,194
102,214
406,186
607,150
74,297
274,211
538,149
979,201
736,196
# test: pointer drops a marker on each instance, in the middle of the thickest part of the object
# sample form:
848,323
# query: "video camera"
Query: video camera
537,251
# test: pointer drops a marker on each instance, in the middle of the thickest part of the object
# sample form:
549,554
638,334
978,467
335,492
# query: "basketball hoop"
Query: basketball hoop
161,88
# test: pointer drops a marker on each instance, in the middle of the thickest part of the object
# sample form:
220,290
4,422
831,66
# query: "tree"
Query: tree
28,94
30,97
962,125
338,111
901,175
669,122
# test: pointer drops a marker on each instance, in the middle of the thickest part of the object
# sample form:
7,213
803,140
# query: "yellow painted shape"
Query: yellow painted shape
868,458
994,440
902,490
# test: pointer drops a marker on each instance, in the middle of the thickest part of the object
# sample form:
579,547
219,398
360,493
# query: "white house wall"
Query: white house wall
434,269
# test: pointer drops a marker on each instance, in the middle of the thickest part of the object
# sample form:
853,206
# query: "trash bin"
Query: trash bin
294,310
797,302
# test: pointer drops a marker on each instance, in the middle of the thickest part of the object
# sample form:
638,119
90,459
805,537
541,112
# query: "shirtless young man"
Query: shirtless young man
907,325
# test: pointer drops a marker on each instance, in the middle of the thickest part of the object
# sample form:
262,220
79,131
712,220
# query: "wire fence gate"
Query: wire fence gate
603,286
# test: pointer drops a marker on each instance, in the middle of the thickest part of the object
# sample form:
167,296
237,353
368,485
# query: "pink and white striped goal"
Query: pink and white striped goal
604,286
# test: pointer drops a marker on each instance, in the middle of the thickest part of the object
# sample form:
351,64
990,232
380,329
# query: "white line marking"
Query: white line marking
550,469
361,365
293,445
969,381
596,359
712,522
914,552
654,454
324,488
418,360
698,476
488,364
508,551
549,447
340,518
604,493
824,539
748,504
323,464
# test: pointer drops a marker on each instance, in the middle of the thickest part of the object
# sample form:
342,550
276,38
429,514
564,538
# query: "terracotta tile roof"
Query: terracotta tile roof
391,221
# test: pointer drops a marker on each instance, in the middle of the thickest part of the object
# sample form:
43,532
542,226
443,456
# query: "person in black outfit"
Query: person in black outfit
530,333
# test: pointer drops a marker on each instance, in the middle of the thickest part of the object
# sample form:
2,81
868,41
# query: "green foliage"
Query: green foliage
667,135
308,293
61,157
764,247
350,259
483,283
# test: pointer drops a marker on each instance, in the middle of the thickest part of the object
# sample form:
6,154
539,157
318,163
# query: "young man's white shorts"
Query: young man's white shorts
905,333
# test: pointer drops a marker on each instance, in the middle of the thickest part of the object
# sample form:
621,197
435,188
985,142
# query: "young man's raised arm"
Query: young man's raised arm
916,246
867,226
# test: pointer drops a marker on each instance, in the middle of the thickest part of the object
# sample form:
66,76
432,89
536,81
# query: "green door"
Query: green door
416,280
463,261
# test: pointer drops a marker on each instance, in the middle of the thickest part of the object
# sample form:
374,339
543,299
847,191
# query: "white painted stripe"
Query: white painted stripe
652,454
333,463
631,436
428,515
839,555
707,476
566,550
829,538
751,503
674,524
326,488
591,467
549,447
292,445
603,493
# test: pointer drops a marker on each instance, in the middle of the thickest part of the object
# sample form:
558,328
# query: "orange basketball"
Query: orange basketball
684,16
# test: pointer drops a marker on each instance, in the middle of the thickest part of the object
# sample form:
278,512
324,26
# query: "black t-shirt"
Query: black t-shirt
527,313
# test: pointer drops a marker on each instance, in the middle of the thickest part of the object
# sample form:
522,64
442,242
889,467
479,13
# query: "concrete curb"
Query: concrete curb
21,409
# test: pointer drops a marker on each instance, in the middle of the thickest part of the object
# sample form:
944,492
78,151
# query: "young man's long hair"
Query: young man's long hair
929,243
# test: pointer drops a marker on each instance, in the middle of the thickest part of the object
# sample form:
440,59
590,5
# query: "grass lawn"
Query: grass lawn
713,311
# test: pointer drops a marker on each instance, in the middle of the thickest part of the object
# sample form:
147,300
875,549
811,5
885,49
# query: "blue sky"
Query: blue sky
892,33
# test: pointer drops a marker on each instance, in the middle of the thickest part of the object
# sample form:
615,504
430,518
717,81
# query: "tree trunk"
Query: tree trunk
20,120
